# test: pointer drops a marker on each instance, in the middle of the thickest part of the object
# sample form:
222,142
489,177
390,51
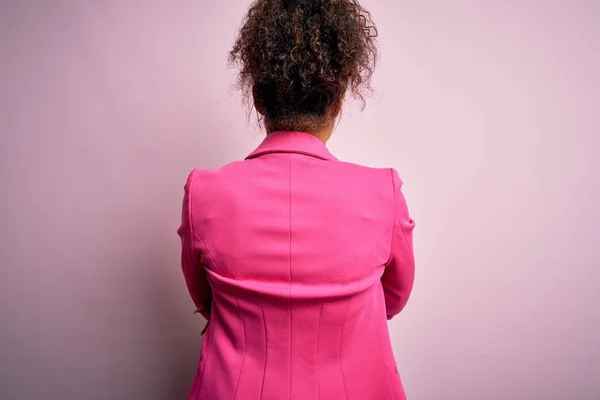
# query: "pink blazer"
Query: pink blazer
297,259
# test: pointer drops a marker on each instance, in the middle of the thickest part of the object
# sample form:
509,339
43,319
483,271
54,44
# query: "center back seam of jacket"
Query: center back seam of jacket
290,266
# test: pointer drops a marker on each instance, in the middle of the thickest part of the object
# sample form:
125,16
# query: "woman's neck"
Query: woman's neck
322,134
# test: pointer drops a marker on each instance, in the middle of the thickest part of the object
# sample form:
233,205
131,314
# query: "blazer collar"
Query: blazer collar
292,142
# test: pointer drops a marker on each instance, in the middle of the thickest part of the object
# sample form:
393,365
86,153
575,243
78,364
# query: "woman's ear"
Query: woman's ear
258,103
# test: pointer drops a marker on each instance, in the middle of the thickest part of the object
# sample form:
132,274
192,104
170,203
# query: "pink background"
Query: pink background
490,110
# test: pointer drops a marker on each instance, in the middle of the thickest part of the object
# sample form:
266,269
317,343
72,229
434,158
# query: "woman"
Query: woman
295,257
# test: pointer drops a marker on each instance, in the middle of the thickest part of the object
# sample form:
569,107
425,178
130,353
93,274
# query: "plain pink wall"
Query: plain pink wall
490,110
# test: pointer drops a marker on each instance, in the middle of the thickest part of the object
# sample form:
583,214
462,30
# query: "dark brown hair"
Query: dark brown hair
299,57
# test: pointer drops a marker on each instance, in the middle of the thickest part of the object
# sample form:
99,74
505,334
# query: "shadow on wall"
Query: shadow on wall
157,333
165,328
107,111
173,343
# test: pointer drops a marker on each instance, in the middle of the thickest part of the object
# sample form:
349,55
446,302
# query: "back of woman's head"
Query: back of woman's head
298,58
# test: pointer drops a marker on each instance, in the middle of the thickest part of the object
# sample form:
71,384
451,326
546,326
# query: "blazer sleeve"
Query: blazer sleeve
194,271
399,273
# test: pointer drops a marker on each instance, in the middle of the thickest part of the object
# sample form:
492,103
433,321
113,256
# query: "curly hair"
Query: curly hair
298,58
